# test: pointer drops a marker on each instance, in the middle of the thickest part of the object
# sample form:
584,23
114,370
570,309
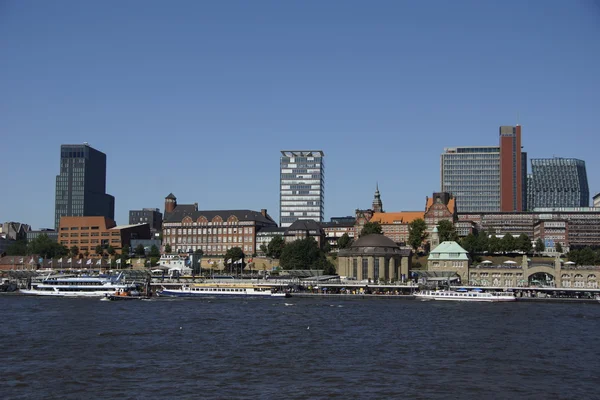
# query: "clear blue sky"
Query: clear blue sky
198,97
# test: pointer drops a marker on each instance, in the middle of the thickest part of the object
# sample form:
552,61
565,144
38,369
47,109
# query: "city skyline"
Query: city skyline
198,99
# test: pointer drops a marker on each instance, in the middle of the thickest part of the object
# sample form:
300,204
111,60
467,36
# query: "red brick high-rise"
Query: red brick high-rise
512,164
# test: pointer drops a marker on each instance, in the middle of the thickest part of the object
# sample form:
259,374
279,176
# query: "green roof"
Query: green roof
448,251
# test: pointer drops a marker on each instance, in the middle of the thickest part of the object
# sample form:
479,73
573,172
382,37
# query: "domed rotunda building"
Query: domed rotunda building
374,257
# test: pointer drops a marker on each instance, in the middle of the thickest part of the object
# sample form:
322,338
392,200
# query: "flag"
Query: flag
89,262
99,262
59,260
50,261
21,261
229,261
148,261
69,260
118,261
128,261
31,261
79,262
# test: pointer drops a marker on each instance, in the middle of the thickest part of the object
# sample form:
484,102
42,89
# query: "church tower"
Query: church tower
377,204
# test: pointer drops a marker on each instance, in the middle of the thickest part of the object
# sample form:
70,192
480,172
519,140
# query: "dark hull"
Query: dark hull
112,297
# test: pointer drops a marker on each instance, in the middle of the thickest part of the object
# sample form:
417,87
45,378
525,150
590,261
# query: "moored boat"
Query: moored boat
82,286
451,295
222,289
125,295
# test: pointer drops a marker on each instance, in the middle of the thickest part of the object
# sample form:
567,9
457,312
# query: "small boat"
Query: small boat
126,295
81,286
222,289
451,295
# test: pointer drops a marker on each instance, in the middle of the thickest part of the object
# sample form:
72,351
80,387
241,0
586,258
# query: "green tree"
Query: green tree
99,250
587,256
329,269
446,231
508,244
302,254
483,240
558,248
74,251
494,244
199,252
154,251
326,247
417,233
469,243
344,241
17,248
45,247
523,243
139,250
167,248
110,250
539,246
276,246
263,249
371,228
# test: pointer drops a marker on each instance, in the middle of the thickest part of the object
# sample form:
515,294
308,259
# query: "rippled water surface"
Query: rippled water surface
297,349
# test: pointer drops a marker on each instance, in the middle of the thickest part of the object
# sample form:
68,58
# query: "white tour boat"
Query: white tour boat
451,295
221,289
83,286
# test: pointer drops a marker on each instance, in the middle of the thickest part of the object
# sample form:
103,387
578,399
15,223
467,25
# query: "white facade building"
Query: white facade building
301,186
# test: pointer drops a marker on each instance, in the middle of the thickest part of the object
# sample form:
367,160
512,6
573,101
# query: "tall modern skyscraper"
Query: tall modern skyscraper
513,170
487,178
558,182
81,185
301,186
472,175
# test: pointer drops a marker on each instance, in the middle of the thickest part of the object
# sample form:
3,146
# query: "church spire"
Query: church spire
377,204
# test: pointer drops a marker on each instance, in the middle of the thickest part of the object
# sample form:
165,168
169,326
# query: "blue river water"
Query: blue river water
297,348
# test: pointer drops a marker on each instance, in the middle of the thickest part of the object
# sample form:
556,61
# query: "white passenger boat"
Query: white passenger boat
83,286
221,289
450,295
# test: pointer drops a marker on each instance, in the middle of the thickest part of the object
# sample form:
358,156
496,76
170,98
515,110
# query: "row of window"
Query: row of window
216,239
208,231
217,249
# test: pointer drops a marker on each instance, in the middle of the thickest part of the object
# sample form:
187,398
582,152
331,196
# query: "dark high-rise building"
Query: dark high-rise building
558,182
81,185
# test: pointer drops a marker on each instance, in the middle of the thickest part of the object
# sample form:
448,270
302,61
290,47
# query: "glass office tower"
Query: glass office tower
558,182
301,186
81,185
472,175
